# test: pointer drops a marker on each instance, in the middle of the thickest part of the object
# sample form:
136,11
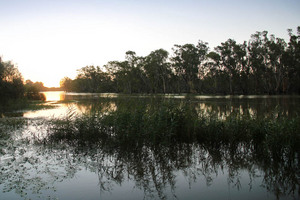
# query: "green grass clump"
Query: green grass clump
168,122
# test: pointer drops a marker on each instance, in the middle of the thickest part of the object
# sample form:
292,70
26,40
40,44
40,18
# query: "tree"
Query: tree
276,51
32,90
292,62
120,73
258,59
66,84
157,70
267,57
264,65
187,60
91,79
11,82
127,76
232,60
213,83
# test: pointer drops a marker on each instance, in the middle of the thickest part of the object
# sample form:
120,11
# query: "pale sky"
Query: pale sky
51,39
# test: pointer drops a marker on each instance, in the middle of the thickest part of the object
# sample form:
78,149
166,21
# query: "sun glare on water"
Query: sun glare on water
54,96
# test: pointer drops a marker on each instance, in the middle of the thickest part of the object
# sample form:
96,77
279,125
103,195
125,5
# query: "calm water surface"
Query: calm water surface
221,106
177,171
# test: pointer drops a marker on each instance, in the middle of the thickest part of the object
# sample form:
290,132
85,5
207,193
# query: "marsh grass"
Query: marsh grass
7,128
13,107
13,104
166,133
166,122
164,136
6,124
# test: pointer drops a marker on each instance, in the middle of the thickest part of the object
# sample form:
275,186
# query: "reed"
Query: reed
172,122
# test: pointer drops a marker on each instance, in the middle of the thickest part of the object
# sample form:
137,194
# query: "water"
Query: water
170,171
221,106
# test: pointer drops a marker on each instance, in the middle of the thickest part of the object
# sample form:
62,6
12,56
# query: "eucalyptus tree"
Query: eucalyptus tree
268,60
157,70
258,59
113,68
127,76
233,62
91,79
263,65
121,75
214,80
66,84
291,83
137,73
186,63
277,52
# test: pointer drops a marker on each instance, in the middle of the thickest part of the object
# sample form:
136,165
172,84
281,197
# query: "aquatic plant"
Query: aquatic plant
150,143
167,122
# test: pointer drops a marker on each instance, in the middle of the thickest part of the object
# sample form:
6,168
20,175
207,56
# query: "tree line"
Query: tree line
263,65
13,87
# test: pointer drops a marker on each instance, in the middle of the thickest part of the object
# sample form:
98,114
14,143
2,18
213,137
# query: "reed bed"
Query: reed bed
169,122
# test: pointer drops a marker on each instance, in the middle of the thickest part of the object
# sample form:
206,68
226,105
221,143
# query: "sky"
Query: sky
51,39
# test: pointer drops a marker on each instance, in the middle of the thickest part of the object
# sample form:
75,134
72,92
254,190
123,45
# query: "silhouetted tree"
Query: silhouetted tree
11,82
157,70
66,84
186,63
264,65
292,62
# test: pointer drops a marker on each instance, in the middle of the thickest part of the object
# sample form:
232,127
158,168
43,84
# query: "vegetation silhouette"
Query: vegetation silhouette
14,93
263,65
270,157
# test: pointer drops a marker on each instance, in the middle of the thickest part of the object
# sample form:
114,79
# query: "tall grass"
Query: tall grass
168,122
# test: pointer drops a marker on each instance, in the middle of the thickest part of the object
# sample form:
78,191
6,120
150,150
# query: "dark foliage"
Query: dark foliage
263,65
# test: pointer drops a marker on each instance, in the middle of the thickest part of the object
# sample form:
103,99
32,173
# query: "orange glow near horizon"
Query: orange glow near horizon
54,96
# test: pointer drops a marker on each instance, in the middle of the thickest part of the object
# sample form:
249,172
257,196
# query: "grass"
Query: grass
12,107
169,122
157,135
7,126
167,132
13,104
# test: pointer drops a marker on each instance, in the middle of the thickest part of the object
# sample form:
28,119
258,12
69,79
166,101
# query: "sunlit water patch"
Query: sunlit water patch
59,110
54,96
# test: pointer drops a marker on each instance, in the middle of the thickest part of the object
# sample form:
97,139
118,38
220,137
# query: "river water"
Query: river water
177,171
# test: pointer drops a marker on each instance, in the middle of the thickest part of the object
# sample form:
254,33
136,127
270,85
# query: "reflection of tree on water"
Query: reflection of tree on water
153,168
222,108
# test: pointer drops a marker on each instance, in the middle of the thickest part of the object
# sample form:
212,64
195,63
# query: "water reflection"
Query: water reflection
177,170
54,96
149,172
220,106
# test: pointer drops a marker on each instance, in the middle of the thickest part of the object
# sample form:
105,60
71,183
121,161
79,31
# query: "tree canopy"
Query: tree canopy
263,65
11,82
12,86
